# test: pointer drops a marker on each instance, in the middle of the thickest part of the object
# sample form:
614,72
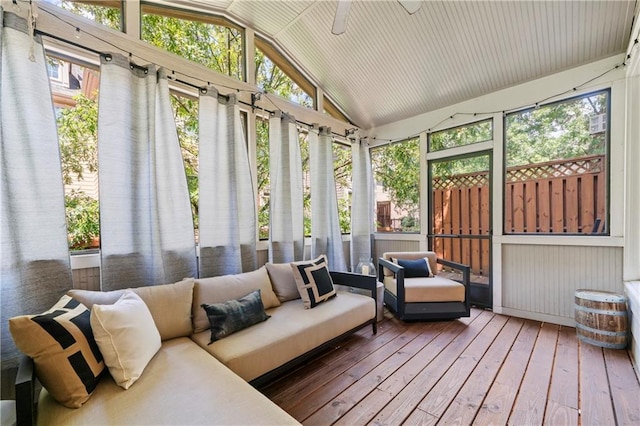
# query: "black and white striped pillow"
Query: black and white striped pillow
60,341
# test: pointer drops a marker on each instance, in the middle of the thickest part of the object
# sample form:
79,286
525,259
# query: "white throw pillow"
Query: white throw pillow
127,337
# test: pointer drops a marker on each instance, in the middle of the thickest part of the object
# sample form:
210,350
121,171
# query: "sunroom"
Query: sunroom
504,136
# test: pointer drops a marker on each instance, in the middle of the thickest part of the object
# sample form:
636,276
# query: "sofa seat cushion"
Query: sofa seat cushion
434,289
182,385
291,331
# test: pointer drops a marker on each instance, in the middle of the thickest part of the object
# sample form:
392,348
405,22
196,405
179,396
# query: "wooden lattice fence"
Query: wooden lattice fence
561,197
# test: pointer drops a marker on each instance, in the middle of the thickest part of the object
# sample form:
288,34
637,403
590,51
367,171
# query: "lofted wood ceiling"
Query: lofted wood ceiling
390,65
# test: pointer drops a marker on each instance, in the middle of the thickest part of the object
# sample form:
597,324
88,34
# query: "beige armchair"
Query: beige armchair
423,297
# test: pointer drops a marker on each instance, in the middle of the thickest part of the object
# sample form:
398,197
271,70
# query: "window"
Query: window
105,12
262,158
556,167
185,110
77,120
396,169
303,138
462,135
342,166
274,74
331,109
205,39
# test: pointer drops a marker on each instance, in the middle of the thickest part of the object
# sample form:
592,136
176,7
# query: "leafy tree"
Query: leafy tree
83,219
221,49
214,46
556,131
103,14
271,79
77,134
397,168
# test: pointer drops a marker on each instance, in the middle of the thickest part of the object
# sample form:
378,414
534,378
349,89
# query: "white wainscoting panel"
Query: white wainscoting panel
632,289
539,282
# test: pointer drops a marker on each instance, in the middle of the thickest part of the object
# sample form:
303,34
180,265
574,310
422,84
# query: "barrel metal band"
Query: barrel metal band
601,297
600,311
602,344
602,332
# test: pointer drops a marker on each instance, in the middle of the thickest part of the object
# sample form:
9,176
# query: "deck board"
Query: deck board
467,402
486,369
532,397
624,387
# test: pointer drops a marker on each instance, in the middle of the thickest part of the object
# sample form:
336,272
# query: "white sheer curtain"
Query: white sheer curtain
227,213
286,219
361,203
34,257
146,225
326,237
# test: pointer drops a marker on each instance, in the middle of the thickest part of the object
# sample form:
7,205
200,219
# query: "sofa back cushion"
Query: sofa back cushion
283,281
169,304
229,287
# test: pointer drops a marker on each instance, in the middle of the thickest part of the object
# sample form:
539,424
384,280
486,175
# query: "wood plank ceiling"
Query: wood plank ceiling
390,65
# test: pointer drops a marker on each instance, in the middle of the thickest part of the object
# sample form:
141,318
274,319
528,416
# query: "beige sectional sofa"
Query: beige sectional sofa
189,380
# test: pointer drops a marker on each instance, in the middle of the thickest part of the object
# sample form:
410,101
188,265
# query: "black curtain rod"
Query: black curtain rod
72,43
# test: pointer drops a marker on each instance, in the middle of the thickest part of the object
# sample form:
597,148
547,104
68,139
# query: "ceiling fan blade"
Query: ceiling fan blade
411,6
342,14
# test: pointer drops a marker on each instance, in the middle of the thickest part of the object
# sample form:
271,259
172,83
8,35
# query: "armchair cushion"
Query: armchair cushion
415,268
436,289
411,255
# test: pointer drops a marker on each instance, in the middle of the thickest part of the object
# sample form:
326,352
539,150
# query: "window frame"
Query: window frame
607,165
288,68
149,8
419,205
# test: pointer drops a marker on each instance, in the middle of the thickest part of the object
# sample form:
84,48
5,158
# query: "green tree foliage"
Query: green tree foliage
221,49
105,15
83,219
460,136
77,134
271,79
397,168
556,131
342,172
214,46
185,112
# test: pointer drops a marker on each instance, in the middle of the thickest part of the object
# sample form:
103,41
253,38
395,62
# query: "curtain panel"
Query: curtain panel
146,224
326,237
35,255
286,217
227,211
361,203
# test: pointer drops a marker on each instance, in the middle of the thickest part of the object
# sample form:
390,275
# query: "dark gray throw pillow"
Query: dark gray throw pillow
234,315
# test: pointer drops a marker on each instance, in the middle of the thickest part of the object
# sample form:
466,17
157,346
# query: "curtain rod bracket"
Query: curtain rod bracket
254,98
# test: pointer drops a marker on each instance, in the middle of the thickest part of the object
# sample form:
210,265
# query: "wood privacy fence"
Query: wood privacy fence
560,197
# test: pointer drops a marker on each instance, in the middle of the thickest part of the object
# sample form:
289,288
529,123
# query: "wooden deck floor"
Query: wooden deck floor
487,369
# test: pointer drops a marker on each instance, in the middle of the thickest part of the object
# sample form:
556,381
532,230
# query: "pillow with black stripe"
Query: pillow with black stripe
67,360
314,281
